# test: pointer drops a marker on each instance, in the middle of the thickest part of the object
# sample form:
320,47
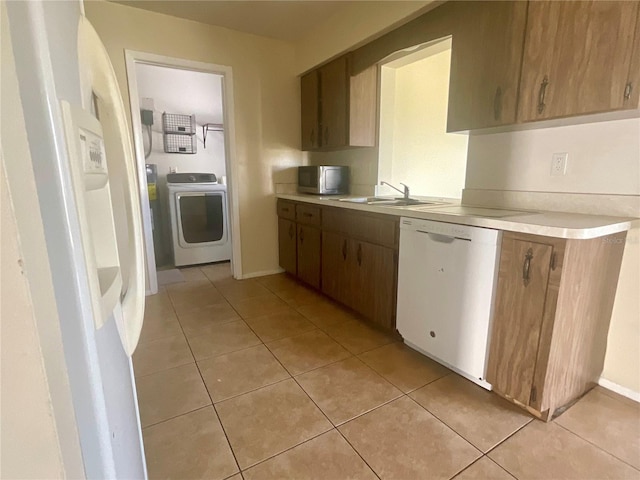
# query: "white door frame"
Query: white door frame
131,59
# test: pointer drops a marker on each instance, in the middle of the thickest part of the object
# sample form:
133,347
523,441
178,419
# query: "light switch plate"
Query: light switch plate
559,163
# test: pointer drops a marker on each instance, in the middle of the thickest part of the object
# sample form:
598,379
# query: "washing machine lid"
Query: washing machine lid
191,178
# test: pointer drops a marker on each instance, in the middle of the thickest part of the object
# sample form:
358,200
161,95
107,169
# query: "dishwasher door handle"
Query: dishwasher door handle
437,237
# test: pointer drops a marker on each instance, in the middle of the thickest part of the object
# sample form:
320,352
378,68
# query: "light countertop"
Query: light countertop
549,224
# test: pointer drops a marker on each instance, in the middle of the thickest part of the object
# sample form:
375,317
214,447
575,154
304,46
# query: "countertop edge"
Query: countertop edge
607,226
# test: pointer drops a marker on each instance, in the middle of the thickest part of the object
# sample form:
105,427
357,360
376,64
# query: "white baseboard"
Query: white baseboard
261,274
619,389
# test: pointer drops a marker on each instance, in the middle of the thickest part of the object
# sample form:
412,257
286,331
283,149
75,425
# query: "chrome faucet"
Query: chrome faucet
405,193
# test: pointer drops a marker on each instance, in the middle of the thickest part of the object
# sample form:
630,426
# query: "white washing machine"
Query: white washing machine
199,219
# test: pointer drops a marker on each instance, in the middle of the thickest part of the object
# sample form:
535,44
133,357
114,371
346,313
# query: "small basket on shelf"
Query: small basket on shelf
179,133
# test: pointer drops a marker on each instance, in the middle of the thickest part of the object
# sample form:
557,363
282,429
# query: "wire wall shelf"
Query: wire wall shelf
179,133
179,124
179,143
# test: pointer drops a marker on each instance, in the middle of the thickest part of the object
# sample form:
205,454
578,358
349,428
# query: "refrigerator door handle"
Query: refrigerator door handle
98,73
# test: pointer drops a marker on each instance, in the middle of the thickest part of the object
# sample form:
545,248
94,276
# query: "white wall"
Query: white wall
603,158
354,23
415,147
266,106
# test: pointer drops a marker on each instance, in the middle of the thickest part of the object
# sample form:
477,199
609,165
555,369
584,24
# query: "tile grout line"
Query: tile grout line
271,457
303,391
210,398
597,446
176,416
335,427
138,377
358,453
484,455
508,437
306,371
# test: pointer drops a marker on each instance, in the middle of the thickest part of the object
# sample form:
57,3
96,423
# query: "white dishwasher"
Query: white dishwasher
447,275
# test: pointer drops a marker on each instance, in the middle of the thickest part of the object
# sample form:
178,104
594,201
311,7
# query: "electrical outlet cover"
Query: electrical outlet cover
559,163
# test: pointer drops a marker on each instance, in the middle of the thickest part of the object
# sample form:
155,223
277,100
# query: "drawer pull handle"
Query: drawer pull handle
359,255
344,249
306,214
526,267
542,94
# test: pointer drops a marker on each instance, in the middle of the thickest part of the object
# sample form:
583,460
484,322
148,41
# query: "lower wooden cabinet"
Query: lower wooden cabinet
350,256
287,244
553,307
335,251
360,263
372,281
309,255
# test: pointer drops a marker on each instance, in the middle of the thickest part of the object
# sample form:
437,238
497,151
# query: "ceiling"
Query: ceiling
287,20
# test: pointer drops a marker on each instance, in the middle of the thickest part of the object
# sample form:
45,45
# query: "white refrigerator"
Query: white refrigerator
87,184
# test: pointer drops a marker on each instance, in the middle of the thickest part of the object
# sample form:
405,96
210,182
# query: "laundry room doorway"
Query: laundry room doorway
183,129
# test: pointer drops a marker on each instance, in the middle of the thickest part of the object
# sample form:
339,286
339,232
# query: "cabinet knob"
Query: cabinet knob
497,104
542,93
526,267
627,91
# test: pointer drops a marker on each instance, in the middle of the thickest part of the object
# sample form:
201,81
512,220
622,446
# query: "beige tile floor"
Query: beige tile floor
266,379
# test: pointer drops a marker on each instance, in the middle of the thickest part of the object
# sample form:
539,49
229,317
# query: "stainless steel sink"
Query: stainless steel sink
388,202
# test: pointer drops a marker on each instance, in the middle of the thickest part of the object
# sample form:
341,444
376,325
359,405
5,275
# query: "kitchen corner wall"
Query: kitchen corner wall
603,171
604,158
352,24
267,106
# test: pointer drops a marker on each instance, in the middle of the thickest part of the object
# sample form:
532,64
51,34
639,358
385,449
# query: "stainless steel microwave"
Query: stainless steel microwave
323,180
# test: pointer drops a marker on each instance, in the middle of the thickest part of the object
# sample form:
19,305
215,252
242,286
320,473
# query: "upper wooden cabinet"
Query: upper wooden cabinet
577,59
338,110
485,64
333,98
310,112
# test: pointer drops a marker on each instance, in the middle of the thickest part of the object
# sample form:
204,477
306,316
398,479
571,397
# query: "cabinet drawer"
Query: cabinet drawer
373,228
308,214
286,209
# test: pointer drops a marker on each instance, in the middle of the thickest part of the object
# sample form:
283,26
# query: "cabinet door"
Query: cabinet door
309,111
372,282
334,266
576,58
334,103
519,311
485,64
309,246
632,88
287,245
